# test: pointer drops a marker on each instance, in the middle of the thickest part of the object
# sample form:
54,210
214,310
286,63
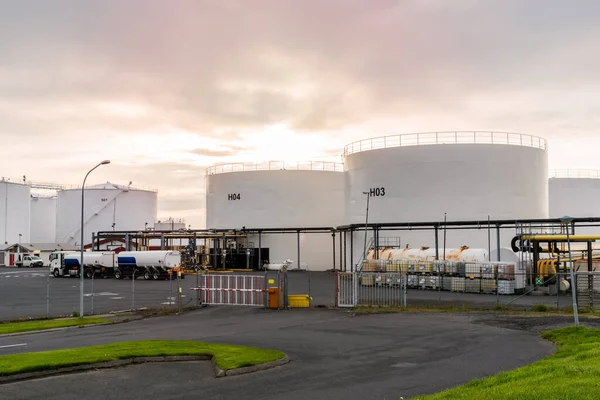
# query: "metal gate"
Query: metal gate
240,290
588,289
371,289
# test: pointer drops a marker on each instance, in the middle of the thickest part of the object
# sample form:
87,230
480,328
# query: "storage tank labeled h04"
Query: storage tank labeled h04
465,175
15,212
279,195
107,207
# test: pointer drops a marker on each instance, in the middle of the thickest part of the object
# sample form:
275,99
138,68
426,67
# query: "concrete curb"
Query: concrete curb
219,373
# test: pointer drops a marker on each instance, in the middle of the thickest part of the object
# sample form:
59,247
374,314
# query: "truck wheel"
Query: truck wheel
155,275
147,275
89,273
56,273
118,274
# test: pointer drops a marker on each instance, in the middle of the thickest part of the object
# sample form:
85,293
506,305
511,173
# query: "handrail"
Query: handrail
58,187
574,173
454,137
275,166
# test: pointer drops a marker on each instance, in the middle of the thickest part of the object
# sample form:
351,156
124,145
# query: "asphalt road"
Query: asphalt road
334,355
23,294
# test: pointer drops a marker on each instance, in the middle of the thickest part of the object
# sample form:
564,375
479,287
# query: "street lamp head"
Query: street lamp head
105,162
566,219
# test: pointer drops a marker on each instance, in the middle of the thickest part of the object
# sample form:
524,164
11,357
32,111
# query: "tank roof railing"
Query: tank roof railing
111,186
574,173
452,137
275,166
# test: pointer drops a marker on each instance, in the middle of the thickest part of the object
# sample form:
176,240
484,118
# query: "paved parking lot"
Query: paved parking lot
23,293
334,355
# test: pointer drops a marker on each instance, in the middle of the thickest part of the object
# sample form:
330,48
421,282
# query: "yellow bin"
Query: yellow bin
299,300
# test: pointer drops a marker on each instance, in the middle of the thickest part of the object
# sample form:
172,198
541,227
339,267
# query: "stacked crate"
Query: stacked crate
506,279
425,267
367,279
412,281
458,284
488,277
473,277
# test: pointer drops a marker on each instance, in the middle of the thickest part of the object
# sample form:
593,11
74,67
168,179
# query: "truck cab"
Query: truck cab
58,267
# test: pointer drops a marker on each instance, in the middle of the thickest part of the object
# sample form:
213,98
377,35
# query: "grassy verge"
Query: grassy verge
40,325
226,356
537,310
571,373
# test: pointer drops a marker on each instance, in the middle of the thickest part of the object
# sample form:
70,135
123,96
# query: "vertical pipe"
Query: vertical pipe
445,236
298,244
489,233
47,296
590,267
345,252
341,246
162,241
333,241
437,245
366,225
376,243
573,282
498,242
260,253
351,250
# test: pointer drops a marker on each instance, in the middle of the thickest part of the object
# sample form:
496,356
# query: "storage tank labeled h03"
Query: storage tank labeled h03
465,175
279,195
107,207
15,212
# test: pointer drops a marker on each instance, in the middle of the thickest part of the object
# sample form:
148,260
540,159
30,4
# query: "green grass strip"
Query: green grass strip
573,372
29,326
226,356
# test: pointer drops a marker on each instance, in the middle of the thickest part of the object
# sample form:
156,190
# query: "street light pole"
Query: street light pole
567,221
366,226
81,264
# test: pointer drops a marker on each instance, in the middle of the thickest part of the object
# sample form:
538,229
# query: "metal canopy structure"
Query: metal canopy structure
218,237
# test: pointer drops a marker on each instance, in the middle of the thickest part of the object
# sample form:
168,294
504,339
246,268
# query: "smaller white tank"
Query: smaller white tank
464,254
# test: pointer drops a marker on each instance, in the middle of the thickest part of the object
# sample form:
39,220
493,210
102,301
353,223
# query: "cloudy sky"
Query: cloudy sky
165,88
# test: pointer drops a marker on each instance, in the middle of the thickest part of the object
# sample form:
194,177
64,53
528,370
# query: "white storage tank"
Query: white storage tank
107,207
574,192
279,195
15,212
43,219
467,175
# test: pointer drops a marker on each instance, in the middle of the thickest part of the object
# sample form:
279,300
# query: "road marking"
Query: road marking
13,345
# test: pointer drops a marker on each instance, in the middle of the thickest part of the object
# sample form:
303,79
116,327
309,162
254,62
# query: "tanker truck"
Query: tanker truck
155,264
98,264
